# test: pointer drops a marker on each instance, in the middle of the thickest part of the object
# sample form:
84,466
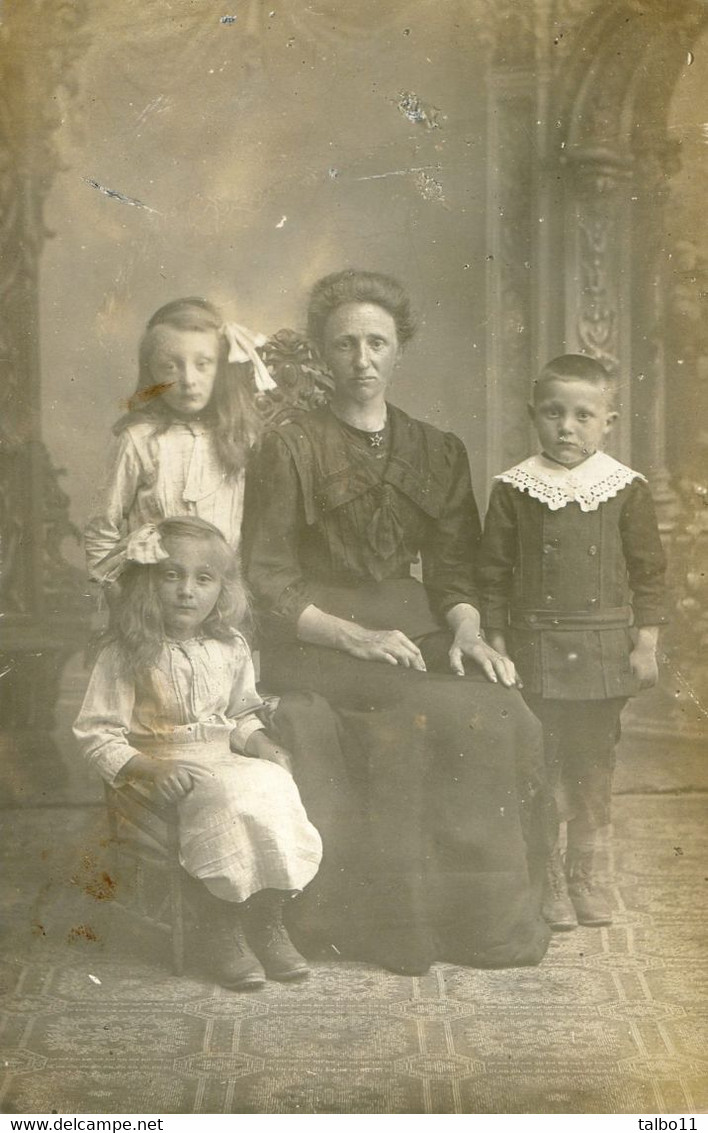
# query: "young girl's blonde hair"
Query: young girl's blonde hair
231,410
138,627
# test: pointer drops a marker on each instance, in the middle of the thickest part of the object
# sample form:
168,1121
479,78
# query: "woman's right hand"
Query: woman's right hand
388,645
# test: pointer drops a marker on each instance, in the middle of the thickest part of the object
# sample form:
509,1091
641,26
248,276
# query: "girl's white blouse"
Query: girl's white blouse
154,475
201,691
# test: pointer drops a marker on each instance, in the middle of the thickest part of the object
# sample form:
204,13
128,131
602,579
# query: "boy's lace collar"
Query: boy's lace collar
590,484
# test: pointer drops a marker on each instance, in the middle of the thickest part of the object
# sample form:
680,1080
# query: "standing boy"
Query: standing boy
572,573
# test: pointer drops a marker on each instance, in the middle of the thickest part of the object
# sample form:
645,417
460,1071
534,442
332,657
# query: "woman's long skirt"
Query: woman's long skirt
428,791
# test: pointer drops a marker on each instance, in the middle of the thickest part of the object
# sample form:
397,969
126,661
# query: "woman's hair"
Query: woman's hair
138,627
231,410
351,286
576,368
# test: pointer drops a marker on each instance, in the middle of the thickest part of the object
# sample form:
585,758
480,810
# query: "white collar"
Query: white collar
589,484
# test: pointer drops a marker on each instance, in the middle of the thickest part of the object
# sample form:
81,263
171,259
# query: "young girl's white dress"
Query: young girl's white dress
154,474
243,827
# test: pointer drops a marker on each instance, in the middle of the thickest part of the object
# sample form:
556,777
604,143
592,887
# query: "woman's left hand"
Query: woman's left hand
495,666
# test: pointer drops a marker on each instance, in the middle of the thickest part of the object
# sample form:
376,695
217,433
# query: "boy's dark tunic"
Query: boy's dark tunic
571,561
443,770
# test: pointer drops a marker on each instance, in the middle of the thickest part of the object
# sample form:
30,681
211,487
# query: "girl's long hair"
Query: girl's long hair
138,627
231,410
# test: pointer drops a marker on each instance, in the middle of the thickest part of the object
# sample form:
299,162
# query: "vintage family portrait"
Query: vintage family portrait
353,532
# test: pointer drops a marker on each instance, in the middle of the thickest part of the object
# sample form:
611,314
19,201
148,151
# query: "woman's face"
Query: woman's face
360,349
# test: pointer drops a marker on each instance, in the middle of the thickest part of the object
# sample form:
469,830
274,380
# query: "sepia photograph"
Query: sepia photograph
353,552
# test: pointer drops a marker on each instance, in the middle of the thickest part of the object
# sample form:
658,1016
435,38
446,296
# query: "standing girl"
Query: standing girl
172,703
182,446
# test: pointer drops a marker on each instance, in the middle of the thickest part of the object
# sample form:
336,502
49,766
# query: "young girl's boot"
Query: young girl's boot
269,937
233,963
557,907
591,900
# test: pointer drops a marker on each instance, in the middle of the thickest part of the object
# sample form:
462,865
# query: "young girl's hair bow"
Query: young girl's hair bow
143,545
242,348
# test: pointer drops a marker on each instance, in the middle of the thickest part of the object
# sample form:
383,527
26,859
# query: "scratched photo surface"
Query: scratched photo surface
534,173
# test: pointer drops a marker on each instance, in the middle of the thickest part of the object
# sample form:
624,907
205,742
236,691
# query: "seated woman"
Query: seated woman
431,810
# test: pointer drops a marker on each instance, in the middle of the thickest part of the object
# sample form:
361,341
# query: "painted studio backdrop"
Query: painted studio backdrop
534,172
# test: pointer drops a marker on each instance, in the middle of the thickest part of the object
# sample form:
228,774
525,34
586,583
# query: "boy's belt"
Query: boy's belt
617,617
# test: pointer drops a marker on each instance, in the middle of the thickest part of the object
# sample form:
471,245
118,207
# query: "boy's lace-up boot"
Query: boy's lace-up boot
591,901
557,907
269,937
234,964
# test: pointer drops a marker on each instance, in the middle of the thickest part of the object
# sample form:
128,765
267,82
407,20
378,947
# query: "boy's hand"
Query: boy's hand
644,666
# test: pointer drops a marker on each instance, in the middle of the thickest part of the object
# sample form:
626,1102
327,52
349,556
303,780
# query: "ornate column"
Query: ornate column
511,132
653,169
597,244
616,162
42,597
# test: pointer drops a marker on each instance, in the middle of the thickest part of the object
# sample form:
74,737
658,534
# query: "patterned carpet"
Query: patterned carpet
612,1021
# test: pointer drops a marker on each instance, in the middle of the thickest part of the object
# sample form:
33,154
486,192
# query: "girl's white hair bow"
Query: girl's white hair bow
242,348
143,545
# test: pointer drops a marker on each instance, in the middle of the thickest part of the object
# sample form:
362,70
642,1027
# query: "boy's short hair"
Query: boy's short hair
578,368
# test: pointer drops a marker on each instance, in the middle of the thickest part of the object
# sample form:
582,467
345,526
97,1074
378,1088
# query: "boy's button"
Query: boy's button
592,549
547,548
592,601
533,619
549,597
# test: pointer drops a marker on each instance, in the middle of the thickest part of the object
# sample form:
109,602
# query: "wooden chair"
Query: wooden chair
144,834
300,380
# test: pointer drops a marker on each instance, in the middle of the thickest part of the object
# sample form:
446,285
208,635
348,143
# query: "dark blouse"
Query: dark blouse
326,515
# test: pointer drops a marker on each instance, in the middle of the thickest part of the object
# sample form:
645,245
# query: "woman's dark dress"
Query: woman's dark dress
429,799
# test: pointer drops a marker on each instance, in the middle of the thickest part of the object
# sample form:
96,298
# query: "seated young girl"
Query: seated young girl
172,703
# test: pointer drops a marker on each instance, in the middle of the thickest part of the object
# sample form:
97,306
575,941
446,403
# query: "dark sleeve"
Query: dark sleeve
274,517
644,555
449,557
497,558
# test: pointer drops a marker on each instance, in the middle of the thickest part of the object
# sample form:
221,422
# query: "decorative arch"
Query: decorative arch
579,163
616,163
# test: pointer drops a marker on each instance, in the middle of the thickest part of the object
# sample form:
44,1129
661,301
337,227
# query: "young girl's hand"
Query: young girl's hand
644,666
261,746
170,779
173,782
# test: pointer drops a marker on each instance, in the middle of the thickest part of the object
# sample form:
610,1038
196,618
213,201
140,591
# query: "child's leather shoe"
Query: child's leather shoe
234,964
269,938
557,907
590,899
